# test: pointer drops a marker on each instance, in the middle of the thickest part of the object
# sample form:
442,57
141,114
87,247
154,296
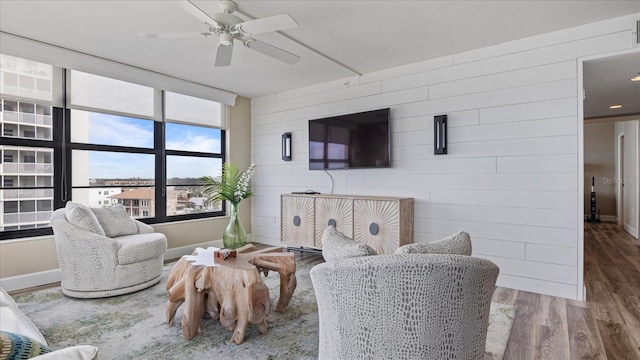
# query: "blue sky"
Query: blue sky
119,130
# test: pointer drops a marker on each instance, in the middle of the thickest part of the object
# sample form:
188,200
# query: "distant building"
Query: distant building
197,204
101,197
139,202
126,182
25,166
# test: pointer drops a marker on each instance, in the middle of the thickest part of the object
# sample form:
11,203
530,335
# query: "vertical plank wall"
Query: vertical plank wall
511,176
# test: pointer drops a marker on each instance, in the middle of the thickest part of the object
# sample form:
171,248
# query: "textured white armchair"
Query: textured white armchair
103,252
408,306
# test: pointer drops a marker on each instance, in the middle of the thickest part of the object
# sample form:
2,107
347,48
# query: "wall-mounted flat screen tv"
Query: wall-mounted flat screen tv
360,140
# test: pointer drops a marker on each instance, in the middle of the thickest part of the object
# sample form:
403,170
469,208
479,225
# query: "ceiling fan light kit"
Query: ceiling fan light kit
226,39
228,27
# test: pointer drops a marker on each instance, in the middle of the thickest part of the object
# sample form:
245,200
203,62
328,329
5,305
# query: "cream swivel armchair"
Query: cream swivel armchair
406,306
103,252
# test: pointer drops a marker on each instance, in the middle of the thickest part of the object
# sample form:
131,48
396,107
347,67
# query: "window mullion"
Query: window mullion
160,172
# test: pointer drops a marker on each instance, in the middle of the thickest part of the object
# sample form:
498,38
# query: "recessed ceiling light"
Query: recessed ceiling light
636,78
615,106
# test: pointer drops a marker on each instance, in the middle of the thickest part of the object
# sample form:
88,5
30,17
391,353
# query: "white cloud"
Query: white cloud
195,143
114,130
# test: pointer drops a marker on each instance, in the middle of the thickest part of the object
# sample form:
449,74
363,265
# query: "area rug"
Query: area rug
133,326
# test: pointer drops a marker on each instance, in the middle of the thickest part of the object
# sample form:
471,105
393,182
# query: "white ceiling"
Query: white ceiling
336,39
608,82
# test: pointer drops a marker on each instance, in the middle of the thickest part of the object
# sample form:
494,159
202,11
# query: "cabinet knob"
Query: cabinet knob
296,220
374,228
332,222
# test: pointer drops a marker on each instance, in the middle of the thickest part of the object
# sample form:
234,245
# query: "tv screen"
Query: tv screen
350,141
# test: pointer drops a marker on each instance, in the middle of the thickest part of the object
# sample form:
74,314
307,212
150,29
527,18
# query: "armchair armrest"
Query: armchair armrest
143,228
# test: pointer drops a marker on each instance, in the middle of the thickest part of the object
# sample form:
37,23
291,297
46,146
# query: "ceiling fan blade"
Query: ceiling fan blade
174,35
267,24
198,13
271,51
223,55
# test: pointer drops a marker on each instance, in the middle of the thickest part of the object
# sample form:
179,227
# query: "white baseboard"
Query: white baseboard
26,281
609,218
176,253
631,230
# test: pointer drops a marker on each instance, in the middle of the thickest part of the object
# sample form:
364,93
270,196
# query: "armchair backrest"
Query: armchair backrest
111,221
404,306
458,243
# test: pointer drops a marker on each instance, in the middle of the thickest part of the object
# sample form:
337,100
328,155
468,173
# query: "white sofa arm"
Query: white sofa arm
80,352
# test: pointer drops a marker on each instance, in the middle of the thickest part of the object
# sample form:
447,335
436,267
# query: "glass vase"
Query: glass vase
234,235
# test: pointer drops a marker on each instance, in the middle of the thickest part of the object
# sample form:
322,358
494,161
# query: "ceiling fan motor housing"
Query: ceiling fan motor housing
228,6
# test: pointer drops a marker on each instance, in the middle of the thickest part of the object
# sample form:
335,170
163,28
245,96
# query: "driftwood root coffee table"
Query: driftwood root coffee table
232,291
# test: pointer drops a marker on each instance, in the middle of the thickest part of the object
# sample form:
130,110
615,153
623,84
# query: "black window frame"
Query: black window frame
62,183
189,153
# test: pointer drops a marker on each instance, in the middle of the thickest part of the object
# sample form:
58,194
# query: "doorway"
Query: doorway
606,82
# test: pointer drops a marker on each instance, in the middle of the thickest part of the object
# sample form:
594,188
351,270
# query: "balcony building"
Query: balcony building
30,172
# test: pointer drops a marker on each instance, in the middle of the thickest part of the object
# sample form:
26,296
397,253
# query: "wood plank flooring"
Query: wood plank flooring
606,326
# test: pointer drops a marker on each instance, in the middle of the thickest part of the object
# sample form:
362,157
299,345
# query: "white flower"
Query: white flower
243,183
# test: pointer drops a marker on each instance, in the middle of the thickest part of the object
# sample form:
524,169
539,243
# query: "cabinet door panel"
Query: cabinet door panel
297,220
377,224
338,211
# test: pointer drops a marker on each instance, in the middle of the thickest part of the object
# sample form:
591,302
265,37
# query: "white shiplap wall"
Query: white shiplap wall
511,176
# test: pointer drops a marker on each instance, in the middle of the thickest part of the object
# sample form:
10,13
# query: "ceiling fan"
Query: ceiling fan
228,27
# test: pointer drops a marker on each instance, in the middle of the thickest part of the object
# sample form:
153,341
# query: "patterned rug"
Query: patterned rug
133,326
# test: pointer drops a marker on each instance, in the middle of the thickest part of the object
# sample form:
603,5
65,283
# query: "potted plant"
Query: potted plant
233,186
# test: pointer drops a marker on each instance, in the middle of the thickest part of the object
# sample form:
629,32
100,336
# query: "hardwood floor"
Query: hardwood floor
606,326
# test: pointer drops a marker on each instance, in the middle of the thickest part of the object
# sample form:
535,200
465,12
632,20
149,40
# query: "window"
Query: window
10,106
44,205
192,152
28,157
114,147
106,129
10,207
99,169
27,206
